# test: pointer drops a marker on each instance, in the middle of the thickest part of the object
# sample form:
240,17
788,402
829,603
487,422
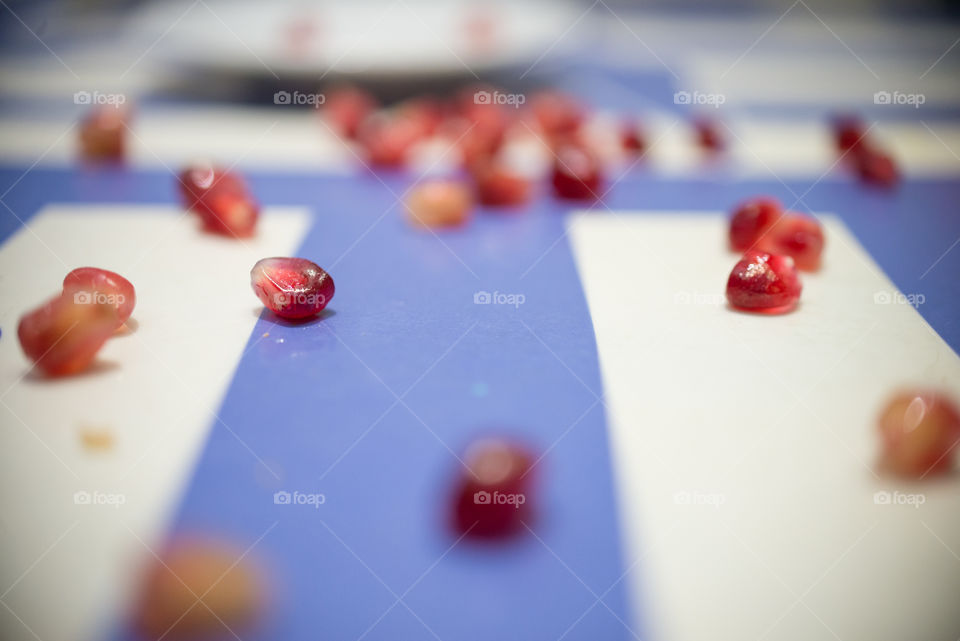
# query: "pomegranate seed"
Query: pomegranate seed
221,199
919,431
751,219
388,138
88,283
439,203
63,335
426,112
346,107
292,288
797,236
103,133
499,187
493,498
199,590
848,132
708,135
632,139
876,167
557,114
576,173
763,282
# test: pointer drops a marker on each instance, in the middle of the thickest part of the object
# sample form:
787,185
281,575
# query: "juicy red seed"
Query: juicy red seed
876,167
632,139
103,133
751,219
919,433
230,214
797,236
63,335
764,282
291,288
346,108
493,495
439,203
94,284
576,173
498,187
388,138
848,132
196,181
708,135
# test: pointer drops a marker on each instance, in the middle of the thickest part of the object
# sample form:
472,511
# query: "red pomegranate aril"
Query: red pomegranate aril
848,132
499,187
493,495
797,236
876,167
346,107
708,135
439,203
388,138
229,213
751,219
199,590
103,133
63,335
291,288
919,433
557,114
632,139
576,173
763,282
92,284
196,181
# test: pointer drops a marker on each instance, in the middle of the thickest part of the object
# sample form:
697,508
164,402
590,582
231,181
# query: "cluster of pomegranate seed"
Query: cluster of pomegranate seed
920,432
200,589
872,164
291,288
221,199
64,334
103,133
493,495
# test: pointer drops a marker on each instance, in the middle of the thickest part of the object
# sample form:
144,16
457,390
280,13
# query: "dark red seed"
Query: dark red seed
751,219
848,133
576,173
876,167
292,288
221,198
493,498
708,135
500,187
632,138
94,284
763,282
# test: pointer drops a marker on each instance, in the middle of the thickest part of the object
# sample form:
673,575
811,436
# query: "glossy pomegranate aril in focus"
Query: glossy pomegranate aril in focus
292,288
919,432
104,286
63,335
751,219
797,236
763,282
493,497
576,173
439,203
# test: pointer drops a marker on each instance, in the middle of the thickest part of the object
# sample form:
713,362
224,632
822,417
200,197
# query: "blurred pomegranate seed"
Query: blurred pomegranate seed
63,335
919,433
292,288
751,219
439,203
106,286
576,173
200,590
345,108
632,139
762,282
500,187
387,138
876,167
493,495
221,199
708,135
797,236
103,133
848,132
557,114
427,112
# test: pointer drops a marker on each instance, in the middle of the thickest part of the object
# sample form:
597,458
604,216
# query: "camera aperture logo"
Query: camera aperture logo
111,499
299,498
498,298
98,98
298,98
483,497
899,98
699,98
885,497
499,98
